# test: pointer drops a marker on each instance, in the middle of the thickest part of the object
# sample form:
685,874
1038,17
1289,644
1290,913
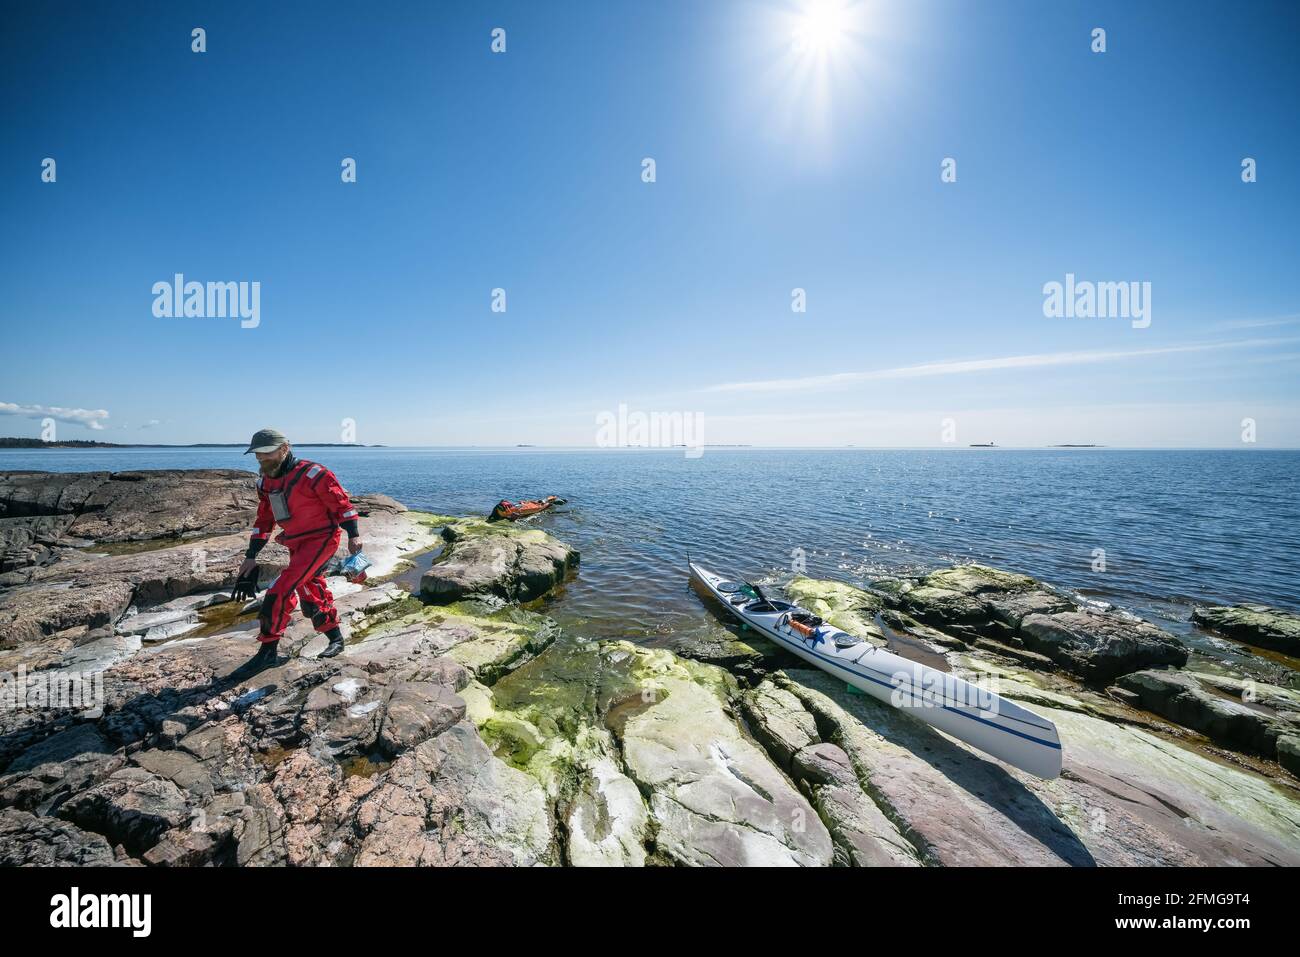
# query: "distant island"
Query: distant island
982,445
1070,446
17,443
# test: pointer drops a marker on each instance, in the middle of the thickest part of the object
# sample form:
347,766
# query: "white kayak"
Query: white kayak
960,708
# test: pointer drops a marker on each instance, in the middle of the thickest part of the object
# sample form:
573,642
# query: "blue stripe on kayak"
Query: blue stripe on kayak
835,664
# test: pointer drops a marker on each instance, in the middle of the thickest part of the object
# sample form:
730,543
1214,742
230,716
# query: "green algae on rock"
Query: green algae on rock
488,638
715,796
645,759
545,719
844,606
484,558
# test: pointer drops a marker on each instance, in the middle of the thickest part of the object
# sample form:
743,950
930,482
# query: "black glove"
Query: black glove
246,587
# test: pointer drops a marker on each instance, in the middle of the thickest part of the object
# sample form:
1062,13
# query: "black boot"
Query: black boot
267,657
335,635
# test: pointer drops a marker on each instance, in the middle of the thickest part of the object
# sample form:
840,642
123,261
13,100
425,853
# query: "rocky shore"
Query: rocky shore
462,726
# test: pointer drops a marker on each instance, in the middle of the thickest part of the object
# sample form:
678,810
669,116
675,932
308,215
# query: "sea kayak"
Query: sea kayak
513,511
966,711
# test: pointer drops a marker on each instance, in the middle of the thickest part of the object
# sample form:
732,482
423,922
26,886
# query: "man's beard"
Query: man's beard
270,468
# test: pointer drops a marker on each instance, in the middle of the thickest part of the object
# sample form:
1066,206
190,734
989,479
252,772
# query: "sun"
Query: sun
820,27
818,68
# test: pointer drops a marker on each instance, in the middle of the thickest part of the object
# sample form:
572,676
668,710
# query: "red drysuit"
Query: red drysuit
317,505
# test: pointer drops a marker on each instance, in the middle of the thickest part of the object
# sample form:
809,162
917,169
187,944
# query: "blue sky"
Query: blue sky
776,168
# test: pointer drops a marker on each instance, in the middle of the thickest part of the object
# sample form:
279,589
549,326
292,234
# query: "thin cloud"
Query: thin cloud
90,418
1260,323
960,367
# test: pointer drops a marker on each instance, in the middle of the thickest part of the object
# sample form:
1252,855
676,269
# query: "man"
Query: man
311,507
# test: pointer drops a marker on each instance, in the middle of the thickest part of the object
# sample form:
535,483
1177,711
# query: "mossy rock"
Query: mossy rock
976,579
844,606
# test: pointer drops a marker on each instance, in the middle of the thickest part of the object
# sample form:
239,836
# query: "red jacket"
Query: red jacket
317,504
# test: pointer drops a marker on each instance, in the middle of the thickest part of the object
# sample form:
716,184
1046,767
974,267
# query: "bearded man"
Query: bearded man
313,510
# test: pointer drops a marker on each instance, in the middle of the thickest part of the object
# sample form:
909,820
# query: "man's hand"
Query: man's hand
245,567
354,545
246,584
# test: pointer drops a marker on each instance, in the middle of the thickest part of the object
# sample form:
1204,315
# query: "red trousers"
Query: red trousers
302,580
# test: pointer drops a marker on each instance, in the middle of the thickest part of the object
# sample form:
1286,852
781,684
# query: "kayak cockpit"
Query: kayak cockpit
765,606
749,598
792,621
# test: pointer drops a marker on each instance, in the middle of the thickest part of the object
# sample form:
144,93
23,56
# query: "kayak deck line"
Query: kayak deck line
958,714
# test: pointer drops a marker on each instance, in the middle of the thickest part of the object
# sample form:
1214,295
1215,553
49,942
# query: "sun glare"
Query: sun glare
820,68
820,28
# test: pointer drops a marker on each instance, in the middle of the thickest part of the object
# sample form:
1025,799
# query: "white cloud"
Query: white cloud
1260,323
957,367
90,418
